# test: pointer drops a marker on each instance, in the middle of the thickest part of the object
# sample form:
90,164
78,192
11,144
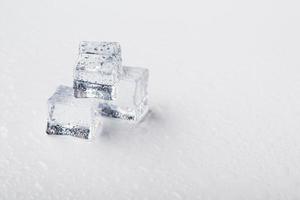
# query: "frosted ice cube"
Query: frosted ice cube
98,68
72,116
132,96
100,48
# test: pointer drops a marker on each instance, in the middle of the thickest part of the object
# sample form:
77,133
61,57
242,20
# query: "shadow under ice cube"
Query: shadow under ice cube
132,96
71,116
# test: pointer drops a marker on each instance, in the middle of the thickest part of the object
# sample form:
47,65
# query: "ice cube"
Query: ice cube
72,116
132,96
98,68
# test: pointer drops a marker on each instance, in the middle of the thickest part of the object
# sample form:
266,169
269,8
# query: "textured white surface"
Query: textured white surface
224,93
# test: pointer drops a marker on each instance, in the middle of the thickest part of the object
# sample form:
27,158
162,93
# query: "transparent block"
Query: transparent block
72,116
98,68
132,96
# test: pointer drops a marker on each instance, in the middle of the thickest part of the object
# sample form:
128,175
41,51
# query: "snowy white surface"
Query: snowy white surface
224,91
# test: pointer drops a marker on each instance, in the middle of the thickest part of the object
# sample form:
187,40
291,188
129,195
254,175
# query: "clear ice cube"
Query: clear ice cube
98,68
72,116
132,96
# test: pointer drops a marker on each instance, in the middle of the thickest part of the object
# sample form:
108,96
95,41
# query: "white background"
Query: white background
224,93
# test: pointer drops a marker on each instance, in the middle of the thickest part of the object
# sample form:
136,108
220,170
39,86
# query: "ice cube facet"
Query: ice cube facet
99,65
72,116
100,48
132,96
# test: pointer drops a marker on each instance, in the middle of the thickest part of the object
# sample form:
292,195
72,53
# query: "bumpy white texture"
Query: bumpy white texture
224,93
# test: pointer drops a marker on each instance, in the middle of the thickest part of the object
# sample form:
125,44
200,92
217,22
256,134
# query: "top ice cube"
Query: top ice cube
99,59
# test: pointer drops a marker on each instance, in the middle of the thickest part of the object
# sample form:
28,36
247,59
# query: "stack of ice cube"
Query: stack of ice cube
102,87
